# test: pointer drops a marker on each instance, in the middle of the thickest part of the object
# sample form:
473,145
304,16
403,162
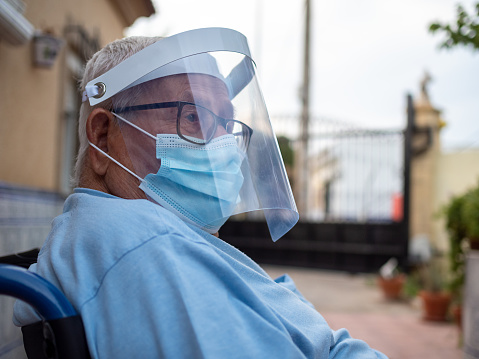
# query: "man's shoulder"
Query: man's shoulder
94,234
106,216
90,203
109,222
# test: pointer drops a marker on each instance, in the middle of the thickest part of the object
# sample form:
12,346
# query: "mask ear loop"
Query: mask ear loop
133,125
118,163
115,161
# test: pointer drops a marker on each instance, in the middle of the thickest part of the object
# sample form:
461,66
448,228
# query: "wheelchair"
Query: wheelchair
60,334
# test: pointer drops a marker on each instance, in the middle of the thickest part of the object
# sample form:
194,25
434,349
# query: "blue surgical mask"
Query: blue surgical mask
199,183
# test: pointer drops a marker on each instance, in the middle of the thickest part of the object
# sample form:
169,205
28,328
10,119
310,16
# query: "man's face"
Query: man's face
203,90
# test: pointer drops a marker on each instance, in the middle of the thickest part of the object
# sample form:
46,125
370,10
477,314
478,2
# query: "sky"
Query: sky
366,57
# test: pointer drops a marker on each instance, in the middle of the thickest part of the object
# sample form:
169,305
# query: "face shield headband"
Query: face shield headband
233,164
147,63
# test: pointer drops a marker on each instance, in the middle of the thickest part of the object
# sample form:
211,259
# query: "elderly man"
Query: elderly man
175,139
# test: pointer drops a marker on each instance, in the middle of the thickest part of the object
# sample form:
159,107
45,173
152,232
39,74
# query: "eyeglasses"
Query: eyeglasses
197,124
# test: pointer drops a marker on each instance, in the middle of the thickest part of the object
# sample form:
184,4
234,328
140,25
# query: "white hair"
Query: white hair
105,59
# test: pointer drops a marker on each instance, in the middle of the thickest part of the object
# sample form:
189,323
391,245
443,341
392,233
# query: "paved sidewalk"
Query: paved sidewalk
355,303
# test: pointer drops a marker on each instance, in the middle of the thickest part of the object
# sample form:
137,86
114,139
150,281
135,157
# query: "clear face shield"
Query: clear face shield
197,130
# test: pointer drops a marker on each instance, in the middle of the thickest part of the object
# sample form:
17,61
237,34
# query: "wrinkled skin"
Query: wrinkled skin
134,149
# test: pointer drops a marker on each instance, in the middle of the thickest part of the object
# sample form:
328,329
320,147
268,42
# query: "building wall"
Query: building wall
33,125
436,176
25,220
31,98
457,171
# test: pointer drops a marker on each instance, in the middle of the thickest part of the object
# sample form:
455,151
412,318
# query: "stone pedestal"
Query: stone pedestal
426,148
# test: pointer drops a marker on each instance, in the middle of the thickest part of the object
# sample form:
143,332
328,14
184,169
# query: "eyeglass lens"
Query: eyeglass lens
197,122
199,125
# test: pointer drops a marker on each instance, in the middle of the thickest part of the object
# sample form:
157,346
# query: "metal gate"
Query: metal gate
358,209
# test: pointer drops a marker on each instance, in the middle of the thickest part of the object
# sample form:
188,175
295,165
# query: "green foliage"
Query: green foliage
465,31
433,275
430,276
470,214
462,224
286,150
413,285
456,229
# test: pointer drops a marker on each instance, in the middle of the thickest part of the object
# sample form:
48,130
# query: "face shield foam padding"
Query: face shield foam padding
220,81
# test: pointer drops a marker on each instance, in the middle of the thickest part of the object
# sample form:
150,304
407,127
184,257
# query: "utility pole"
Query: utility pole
258,45
301,165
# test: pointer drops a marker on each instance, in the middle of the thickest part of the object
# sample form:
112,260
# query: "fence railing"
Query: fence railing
358,201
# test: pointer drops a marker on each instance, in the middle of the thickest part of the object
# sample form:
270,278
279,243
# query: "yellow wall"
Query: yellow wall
456,172
31,99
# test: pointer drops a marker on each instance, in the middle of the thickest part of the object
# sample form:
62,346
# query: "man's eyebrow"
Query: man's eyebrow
187,96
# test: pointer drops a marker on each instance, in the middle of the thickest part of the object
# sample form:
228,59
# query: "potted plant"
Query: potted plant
391,280
458,243
434,296
462,223
470,214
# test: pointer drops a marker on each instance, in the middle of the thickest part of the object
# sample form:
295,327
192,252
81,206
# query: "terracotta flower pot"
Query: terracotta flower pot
435,305
392,287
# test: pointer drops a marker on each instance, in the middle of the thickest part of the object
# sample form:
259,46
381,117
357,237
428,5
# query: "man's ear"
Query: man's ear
98,127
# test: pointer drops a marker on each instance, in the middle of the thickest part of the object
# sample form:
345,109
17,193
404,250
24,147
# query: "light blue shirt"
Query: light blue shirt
149,286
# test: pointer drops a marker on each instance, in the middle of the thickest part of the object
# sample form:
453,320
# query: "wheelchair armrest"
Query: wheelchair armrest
39,293
61,333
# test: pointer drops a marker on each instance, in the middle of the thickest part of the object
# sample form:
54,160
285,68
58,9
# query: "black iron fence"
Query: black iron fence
352,247
358,203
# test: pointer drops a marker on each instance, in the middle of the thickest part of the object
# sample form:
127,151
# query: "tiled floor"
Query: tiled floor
400,336
355,303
